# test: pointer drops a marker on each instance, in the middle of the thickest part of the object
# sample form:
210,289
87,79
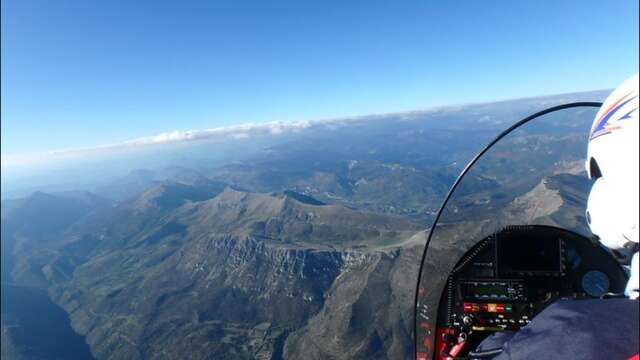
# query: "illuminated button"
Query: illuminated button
467,307
491,308
500,308
508,307
483,307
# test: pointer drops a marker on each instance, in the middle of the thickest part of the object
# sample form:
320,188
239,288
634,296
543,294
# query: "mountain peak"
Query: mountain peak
171,195
290,217
301,198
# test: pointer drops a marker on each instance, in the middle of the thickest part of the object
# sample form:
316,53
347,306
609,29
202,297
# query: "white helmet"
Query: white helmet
612,161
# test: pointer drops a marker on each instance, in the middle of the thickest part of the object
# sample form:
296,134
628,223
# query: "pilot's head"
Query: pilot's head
612,162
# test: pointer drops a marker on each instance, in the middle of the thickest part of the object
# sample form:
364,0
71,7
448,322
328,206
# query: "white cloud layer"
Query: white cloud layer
237,132
242,131
218,134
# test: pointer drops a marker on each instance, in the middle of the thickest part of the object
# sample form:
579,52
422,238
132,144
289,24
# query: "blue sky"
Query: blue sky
84,73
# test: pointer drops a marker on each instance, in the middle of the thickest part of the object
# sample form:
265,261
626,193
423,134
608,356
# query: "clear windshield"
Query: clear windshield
532,176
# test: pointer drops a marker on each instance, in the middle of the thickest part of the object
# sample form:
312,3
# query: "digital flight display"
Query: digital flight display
480,290
529,254
490,290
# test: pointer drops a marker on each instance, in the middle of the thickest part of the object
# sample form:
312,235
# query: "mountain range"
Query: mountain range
308,247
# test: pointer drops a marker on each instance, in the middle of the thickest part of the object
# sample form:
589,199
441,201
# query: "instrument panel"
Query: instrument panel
507,279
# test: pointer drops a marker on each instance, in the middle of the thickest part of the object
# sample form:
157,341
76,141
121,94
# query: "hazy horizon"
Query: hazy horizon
86,168
233,132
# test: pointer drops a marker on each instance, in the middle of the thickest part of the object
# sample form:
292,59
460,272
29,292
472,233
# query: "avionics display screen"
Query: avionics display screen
490,290
475,290
529,253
